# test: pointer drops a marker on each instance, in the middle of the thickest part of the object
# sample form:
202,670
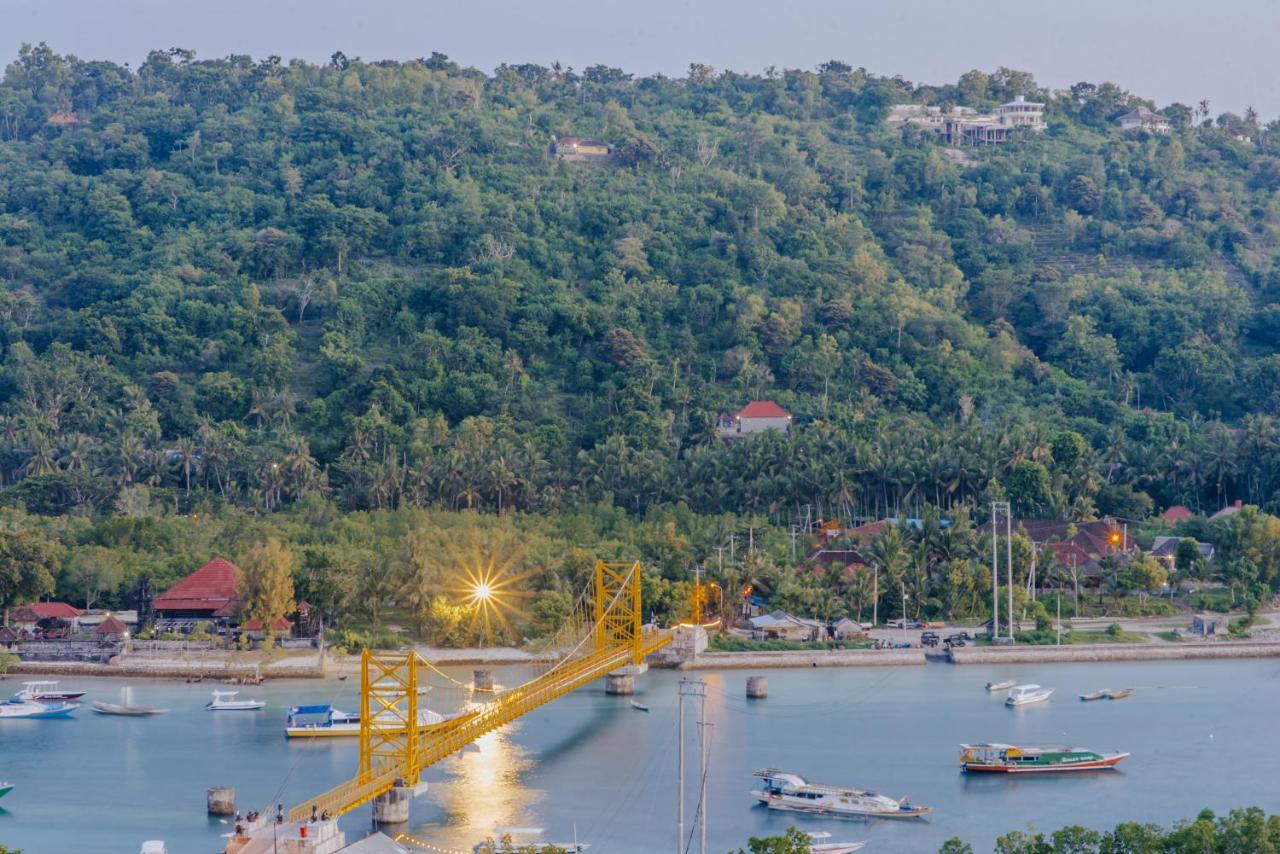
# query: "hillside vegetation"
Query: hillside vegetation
247,283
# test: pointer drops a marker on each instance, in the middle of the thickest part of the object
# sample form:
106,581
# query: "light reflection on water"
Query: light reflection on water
484,788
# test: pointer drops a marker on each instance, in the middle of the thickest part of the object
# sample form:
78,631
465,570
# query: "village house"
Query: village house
579,149
756,417
111,630
208,594
782,626
1176,514
9,639
1165,550
1143,119
280,627
28,617
846,628
964,126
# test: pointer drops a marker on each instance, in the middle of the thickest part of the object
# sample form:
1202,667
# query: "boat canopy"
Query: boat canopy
311,710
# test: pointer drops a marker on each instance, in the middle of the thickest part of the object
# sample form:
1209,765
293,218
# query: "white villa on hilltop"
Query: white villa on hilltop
1144,119
966,126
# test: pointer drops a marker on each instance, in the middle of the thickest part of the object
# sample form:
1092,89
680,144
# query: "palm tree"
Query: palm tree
187,456
888,557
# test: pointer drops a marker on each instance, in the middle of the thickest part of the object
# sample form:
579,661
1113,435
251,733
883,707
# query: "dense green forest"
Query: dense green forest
236,287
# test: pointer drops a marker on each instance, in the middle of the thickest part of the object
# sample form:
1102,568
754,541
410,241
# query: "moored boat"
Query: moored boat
1120,694
5,788
781,790
45,692
639,707
1034,759
24,709
225,701
127,711
819,845
1095,695
1001,686
323,721
1023,695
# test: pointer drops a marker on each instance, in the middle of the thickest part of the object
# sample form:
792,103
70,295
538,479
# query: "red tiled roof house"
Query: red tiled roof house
756,417
209,593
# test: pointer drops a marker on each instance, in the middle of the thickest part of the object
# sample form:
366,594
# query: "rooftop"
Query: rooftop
763,409
211,586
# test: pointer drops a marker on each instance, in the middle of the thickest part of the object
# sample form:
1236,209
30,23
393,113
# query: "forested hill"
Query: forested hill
246,281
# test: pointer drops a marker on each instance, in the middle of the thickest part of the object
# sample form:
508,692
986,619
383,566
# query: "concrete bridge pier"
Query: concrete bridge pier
392,806
482,680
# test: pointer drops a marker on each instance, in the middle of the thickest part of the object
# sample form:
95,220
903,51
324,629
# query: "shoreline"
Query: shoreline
805,658
1115,652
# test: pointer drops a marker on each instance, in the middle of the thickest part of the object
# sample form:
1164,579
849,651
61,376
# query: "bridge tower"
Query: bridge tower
618,617
389,715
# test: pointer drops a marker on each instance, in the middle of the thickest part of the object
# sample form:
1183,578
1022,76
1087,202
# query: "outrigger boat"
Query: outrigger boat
1022,695
1119,695
1001,686
780,790
225,701
127,711
1095,695
1038,759
43,692
328,722
22,709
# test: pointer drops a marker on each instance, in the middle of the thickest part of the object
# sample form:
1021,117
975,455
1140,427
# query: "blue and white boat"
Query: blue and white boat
320,721
27,709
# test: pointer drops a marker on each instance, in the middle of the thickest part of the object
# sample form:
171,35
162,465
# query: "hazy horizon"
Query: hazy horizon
1179,50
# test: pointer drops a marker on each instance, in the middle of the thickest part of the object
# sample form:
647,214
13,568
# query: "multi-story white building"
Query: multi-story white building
1144,119
965,126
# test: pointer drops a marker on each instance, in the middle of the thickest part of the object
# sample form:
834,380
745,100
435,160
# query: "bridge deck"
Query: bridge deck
456,734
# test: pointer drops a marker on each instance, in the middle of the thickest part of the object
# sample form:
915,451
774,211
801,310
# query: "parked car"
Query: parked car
929,639
899,623
958,639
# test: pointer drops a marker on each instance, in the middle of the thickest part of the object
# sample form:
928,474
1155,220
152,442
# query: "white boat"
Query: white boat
25,709
1022,695
1001,686
819,845
510,838
43,692
225,701
328,722
780,790
154,846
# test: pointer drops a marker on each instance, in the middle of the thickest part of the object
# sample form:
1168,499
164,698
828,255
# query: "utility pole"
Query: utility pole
751,541
1008,542
1059,626
705,744
795,531
733,535
688,688
995,575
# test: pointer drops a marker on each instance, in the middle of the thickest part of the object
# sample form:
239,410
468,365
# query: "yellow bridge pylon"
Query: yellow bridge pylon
396,745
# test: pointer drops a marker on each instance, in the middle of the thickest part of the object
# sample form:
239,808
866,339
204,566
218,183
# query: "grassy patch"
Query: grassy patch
1170,636
1079,637
733,643
1218,599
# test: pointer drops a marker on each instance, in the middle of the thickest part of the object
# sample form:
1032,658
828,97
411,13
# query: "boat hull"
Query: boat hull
42,712
833,811
1107,762
5,788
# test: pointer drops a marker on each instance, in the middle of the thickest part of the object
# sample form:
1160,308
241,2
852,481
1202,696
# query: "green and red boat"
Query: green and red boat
1037,759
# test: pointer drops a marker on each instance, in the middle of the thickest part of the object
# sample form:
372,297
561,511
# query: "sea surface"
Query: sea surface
1202,735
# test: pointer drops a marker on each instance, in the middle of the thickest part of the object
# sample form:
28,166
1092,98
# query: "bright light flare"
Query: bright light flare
481,592
487,580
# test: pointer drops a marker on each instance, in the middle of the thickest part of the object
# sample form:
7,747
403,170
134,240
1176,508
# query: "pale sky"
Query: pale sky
1167,50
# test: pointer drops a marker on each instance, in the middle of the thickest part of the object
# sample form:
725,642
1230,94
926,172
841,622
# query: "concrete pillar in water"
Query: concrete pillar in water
757,687
619,683
222,800
392,806
482,680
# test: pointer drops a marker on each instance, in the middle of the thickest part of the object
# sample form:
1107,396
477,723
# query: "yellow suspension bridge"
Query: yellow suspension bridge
603,633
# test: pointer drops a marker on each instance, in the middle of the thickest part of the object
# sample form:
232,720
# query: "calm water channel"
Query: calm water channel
1202,734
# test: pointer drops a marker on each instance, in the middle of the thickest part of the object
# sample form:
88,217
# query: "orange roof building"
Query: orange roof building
111,626
1175,514
208,593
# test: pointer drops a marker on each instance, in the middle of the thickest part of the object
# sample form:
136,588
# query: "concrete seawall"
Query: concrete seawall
1113,652
169,670
805,658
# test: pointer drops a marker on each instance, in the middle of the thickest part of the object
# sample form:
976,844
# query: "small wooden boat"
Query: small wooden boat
1023,695
5,788
127,711
1001,686
639,707
1095,695
1119,695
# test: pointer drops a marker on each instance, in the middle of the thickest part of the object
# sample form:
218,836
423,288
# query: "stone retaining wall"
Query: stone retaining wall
1113,652
174,669
805,658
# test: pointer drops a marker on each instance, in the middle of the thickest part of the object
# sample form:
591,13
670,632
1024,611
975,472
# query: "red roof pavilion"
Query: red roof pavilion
763,409
111,626
279,624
